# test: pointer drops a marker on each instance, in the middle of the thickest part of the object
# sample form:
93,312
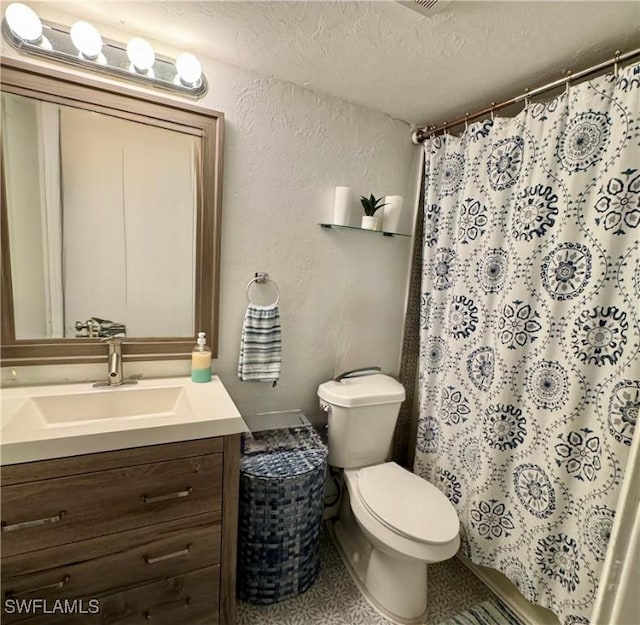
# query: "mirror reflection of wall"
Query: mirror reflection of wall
101,216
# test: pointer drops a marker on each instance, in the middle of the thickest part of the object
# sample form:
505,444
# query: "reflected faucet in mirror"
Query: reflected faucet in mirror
115,375
98,328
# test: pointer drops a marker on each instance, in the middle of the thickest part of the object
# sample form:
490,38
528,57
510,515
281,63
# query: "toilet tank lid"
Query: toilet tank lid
367,390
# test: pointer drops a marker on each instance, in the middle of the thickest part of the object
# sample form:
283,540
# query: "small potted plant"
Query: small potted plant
370,220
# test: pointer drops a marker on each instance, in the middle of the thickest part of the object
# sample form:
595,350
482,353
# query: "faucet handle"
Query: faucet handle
114,338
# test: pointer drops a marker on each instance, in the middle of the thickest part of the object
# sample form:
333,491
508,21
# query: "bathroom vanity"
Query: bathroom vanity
148,530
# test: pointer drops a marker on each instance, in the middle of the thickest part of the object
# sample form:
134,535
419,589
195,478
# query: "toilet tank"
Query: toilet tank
362,413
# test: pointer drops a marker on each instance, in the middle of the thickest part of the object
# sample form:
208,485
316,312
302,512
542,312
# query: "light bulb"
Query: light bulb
86,39
24,22
45,44
141,54
189,68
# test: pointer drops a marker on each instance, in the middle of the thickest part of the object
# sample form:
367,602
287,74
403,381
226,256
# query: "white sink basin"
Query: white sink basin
41,422
130,401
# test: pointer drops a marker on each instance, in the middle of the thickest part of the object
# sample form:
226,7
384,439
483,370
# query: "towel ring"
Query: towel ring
260,278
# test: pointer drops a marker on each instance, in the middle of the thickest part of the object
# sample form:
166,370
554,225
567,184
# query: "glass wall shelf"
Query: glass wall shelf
382,232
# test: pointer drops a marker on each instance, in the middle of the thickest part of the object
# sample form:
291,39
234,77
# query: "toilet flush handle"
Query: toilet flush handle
326,408
356,373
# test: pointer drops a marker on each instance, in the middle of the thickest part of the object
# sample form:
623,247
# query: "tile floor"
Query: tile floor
335,600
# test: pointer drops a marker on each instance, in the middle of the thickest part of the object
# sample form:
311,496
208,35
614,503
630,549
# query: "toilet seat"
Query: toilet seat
408,505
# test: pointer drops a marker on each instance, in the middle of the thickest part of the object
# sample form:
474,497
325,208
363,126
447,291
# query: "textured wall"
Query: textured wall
343,293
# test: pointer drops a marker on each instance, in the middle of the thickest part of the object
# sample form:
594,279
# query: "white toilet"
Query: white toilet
391,523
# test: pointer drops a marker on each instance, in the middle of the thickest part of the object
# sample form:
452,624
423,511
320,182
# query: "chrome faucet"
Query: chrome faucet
114,364
115,360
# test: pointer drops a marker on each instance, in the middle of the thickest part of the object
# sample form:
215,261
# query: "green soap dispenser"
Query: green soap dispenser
201,360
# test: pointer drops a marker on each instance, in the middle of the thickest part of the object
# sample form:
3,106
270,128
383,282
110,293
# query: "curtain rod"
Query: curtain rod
421,134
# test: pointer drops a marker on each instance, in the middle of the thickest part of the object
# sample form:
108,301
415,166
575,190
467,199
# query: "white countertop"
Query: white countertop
29,433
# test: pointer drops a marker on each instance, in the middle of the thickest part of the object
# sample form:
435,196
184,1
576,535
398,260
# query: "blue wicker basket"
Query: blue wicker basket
282,474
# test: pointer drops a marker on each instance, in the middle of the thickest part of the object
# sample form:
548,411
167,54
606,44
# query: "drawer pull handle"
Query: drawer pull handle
27,524
178,495
168,556
61,584
148,616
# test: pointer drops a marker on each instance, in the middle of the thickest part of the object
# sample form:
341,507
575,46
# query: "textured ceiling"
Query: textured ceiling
382,55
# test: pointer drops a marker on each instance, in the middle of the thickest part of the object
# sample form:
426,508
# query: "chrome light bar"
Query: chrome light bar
82,46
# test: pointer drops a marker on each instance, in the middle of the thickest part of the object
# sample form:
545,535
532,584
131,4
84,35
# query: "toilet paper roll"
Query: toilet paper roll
341,206
391,212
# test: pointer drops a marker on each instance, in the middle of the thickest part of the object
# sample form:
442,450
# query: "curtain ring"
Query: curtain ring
568,80
616,64
466,121
526,98
493,105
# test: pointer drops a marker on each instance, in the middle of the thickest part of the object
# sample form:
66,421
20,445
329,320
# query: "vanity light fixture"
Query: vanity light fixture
83,46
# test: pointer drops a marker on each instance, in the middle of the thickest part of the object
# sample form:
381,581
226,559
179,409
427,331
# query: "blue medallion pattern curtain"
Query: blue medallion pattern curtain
529,378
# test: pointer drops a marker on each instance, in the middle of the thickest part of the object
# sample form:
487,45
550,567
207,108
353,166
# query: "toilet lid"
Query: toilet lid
407,504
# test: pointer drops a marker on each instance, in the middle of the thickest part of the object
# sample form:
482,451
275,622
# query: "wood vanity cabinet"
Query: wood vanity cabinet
149,532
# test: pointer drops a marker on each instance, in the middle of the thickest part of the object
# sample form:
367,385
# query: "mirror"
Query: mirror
93,200
109,225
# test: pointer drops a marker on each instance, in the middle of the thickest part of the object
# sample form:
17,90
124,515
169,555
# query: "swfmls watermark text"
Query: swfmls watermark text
46,606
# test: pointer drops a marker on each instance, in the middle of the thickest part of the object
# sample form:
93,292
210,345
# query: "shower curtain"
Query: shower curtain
529,375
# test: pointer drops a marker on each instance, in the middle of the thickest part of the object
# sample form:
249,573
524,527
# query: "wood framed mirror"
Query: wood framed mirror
122,226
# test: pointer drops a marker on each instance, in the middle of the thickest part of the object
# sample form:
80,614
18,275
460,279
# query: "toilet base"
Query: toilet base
395,587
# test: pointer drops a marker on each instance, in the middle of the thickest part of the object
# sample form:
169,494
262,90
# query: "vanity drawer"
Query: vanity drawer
42,514
93,567
190,598
107,460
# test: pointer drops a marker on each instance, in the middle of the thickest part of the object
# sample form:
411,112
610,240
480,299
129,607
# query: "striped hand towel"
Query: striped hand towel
260,345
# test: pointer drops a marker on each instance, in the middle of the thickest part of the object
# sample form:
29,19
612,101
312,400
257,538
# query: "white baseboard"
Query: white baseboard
527,612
